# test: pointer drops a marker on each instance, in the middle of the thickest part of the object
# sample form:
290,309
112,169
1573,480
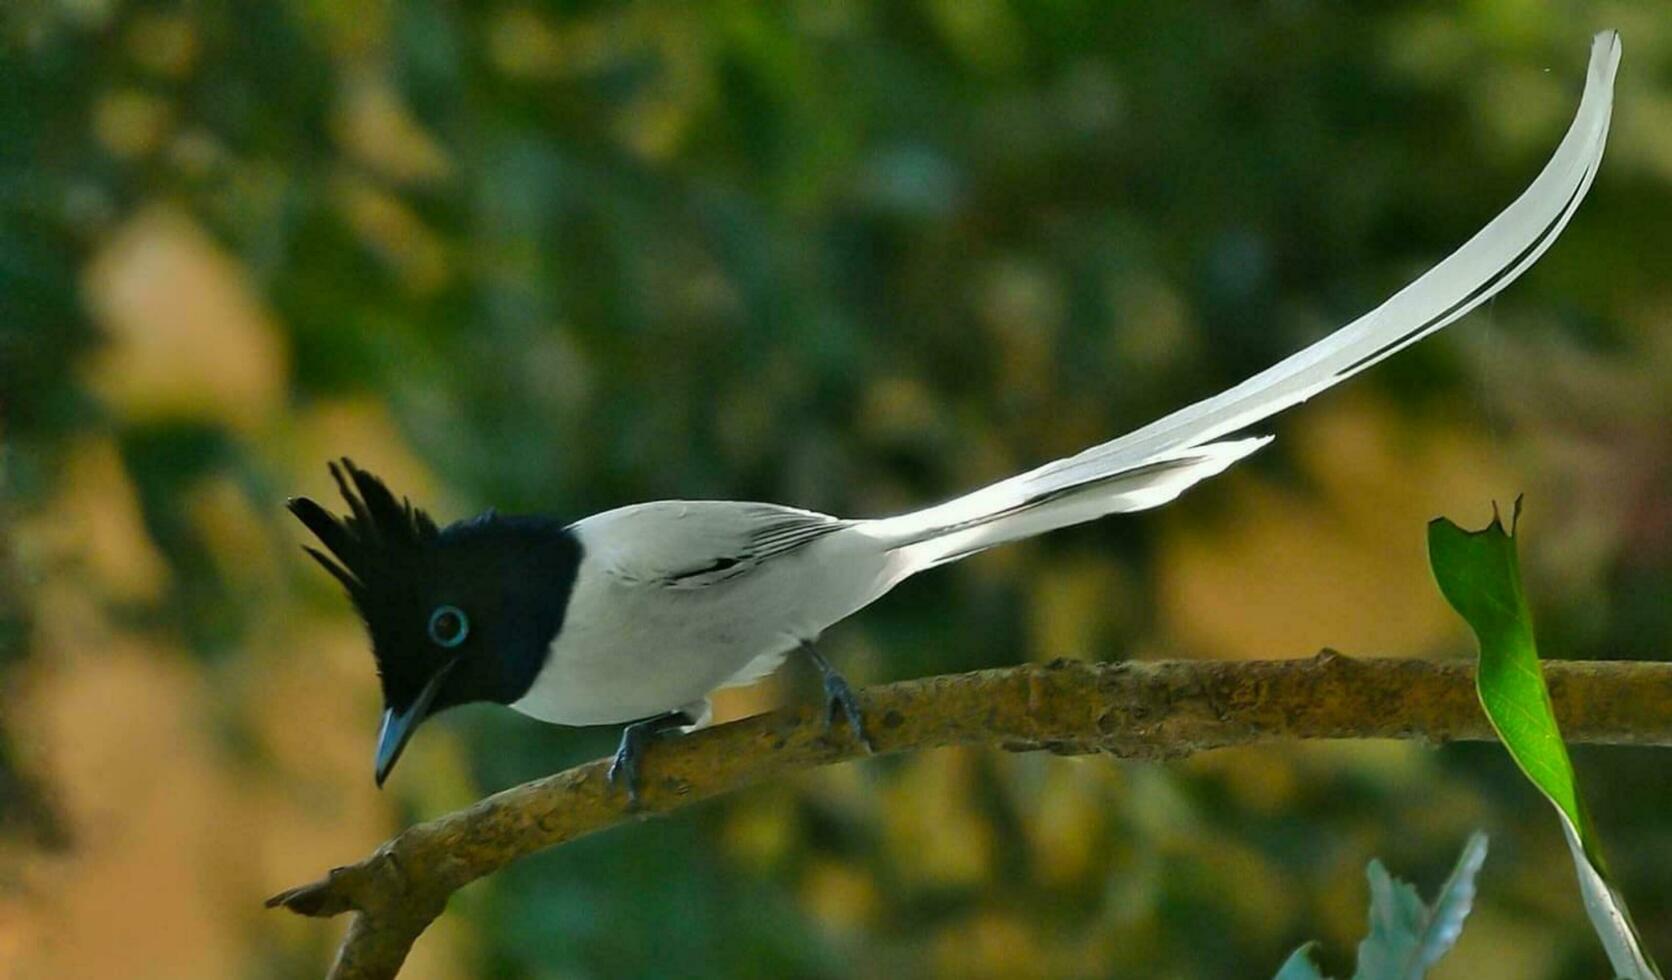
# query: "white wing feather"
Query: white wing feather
688,544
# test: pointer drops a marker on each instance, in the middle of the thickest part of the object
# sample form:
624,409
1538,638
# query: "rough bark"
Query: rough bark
1154,710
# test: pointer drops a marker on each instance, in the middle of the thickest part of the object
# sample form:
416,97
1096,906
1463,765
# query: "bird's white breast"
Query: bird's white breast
632,647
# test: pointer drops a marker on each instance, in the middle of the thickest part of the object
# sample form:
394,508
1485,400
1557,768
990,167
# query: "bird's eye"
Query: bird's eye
448,626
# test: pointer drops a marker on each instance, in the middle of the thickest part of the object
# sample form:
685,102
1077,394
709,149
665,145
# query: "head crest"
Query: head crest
378,533
456,615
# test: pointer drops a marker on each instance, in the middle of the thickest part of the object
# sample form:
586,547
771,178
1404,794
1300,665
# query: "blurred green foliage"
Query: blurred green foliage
855,256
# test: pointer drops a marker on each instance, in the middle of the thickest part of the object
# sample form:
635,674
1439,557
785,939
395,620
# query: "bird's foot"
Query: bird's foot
624,768
839,697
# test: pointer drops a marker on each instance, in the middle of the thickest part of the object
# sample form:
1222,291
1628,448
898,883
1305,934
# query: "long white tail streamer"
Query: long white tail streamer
1154,464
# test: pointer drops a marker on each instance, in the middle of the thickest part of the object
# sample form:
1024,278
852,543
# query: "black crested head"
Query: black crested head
456,614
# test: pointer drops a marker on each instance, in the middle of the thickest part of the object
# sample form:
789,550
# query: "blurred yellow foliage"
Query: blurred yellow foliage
1152,329
1261,779
95,528
130,122
1066,817
524,44
393,231
899,408
982,32
1077,604
187,338
840,896
931,828
163,42
361,429
761,829
1021,307
1258,898
355,30
152,819
1293,570
237,537
990,943
1496,944
379,132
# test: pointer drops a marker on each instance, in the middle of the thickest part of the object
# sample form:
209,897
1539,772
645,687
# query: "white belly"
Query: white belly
630,650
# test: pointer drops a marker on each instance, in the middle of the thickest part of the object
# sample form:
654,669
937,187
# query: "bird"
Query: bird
636,615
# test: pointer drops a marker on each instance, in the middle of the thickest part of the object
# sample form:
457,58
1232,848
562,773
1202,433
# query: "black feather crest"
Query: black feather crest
376,534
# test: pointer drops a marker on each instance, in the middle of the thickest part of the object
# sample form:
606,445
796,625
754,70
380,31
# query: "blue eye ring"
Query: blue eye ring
440,620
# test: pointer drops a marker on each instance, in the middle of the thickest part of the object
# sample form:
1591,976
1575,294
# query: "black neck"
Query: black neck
537,595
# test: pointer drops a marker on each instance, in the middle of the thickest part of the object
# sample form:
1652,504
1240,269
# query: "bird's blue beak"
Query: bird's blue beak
398,726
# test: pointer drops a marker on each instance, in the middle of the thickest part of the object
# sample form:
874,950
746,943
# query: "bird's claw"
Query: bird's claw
624,767
838,696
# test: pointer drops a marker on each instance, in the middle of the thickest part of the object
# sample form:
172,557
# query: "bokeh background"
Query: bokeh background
852,256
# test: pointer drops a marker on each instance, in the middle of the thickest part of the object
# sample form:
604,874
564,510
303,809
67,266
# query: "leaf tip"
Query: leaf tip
1514,516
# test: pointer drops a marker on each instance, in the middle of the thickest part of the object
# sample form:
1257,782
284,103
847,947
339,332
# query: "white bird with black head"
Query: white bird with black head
637,615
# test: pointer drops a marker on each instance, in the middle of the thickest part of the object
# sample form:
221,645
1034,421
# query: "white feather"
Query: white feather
1476,272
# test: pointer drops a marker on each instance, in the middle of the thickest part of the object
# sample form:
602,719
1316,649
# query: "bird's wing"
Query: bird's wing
692,544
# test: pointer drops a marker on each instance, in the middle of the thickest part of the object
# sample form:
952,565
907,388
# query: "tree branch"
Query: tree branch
1155,710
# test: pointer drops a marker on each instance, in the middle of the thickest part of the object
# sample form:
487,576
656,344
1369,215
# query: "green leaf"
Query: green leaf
1299,965
1406,937
1480,575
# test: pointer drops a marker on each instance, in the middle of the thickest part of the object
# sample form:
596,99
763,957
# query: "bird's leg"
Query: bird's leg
838,696
624,768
